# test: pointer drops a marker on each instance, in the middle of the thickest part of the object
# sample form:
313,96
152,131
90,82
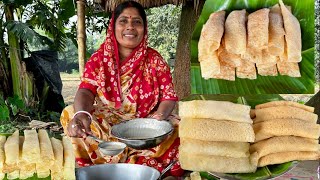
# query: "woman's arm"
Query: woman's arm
79,126
164,110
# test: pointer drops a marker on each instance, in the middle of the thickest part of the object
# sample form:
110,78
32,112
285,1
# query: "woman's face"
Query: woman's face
129,28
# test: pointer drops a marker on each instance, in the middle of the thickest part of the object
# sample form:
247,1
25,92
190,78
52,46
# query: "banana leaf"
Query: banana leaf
302,9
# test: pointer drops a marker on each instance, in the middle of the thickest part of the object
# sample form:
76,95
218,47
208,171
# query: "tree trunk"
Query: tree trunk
81,34
15,56
5,89
181,74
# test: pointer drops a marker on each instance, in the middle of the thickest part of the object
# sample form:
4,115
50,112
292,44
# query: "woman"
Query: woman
123,80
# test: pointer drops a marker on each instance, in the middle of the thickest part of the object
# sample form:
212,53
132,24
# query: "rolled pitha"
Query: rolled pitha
276,31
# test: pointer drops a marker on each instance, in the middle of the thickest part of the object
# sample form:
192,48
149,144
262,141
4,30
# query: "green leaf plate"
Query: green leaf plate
302,9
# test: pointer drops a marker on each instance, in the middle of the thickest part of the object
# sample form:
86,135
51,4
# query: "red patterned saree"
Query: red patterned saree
126,90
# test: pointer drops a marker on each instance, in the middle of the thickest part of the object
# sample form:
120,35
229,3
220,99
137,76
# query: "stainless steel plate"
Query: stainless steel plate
119,171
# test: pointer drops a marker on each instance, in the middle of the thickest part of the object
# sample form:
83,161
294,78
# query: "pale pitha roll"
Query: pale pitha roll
284,144
221,164
212,32
223,110
268,71
216,130
293,34
228,59
235,35
282,157
31,147
258,33
215,148
246,70
26,169
226,73
267,59
289,69
42,172
57,167
46,151
276,31
13,175
285,103
284,112
210,66
69,159
2,175
2,154
286,127
11,148
252,55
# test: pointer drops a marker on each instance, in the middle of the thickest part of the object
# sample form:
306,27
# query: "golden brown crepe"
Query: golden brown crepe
293,34
268,71
210,66
284,144
223,110
229,59
285,103
246,70
285,127
258,33
228,149
282,157
235,36
212,32
276,31
226,73
252,55
196,162
284,112
289,69
267,60
215,130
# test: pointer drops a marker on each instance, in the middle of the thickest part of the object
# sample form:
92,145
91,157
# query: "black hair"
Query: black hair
119,9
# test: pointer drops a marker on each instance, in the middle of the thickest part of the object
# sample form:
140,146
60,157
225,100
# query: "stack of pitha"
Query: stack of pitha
215,137
285,131
35,152
267,41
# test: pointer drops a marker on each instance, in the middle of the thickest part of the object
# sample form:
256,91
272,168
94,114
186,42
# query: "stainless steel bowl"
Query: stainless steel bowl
142,133
118,171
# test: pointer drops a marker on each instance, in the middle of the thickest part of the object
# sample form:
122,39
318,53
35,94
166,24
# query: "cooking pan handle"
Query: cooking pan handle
167,168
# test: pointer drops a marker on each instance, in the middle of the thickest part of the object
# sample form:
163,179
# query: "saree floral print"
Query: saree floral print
126,90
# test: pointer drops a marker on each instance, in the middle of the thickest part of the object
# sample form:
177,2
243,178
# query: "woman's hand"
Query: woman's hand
164,110
79,126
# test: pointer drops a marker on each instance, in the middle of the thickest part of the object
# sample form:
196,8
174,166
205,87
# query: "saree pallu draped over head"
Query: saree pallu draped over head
125,90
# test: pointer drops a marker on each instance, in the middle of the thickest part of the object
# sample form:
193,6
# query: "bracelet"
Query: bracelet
84,112
156,114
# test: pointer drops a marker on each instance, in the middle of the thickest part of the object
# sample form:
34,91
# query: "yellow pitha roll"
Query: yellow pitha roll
69,159
293,34
11,148
210,66
216,130
268,71
286,127
215,148
42,172
276,31
223,110
2,154
288,68
284,144
31,146
13,175
246,70
284,112
282,157
57,167
46,151
258,33
212,32
2,175
235,36
285,103
26,169
226,73
221,164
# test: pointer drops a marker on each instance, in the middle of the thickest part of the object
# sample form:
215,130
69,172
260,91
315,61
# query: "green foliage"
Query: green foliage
163,29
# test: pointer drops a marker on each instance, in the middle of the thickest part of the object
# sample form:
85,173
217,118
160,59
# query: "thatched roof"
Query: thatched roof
110,5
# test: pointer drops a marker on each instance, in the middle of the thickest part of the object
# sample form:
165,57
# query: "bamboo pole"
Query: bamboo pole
81,34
